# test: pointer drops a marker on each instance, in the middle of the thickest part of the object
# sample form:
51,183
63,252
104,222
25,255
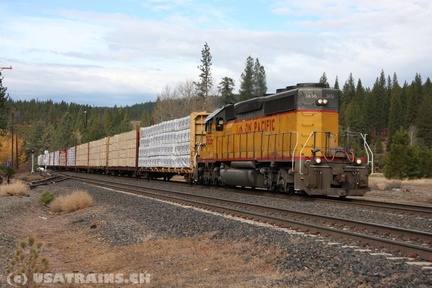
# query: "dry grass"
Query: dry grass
417,191
185,262
16,188
28,177
202,262
383,184
77,200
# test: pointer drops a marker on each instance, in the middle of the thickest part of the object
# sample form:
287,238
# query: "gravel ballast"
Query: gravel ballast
127,219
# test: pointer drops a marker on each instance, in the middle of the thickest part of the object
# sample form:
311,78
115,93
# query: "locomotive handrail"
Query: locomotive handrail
295,148
301,152
369,152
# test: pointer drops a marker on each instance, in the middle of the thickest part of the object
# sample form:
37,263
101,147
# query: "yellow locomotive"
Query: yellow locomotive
287,141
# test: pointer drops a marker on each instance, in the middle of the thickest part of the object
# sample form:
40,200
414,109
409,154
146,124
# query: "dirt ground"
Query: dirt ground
211,264
72,250
418,191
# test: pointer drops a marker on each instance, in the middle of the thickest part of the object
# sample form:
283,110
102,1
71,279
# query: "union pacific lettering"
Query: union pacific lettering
267,125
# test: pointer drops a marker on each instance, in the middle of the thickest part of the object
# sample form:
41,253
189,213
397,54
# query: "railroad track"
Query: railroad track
400,208
379,205
412,243
49,180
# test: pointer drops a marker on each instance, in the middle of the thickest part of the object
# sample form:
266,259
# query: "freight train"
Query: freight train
286,142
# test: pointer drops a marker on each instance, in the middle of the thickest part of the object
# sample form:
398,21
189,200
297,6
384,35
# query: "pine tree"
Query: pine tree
336,85
323,80
247,81
395,119
418,80
360,94
412,104
427,87
348,93
63,133
108,123
206,81
35,136
259,79
225,88
380,94
359,97
425,163
145,119
376,112
354,118
401,161
424,120
95,127
253,81
404,99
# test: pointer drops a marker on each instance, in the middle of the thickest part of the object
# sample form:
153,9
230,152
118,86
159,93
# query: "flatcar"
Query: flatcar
159,151
287,141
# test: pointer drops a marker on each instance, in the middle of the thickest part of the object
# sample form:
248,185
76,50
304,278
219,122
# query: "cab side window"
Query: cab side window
219,124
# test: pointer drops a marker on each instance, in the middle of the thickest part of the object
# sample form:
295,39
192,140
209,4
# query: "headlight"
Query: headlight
321,101
358,161
317,160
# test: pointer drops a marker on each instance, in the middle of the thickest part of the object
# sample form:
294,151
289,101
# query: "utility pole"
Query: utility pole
12,137
16,151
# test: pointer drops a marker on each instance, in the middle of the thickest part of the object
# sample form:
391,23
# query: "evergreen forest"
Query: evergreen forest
396,116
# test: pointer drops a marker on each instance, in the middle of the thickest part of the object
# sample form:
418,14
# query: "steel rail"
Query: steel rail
408,249
48,180
387,206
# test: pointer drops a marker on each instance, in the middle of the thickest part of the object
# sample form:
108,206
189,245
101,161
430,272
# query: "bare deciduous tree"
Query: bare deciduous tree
412,132
180,102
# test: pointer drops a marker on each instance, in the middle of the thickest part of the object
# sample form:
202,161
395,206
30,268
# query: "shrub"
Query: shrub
4,171
46,198
79,199
28,260
18,188
402,161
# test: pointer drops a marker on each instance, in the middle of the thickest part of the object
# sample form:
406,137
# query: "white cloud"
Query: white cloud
71,52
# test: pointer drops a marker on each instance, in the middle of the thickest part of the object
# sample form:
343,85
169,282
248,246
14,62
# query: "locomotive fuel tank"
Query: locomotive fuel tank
246,177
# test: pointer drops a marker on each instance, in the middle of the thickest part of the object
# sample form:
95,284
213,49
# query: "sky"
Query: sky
126,52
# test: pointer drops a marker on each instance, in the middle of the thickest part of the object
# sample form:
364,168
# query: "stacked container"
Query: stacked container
171,144
122,150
